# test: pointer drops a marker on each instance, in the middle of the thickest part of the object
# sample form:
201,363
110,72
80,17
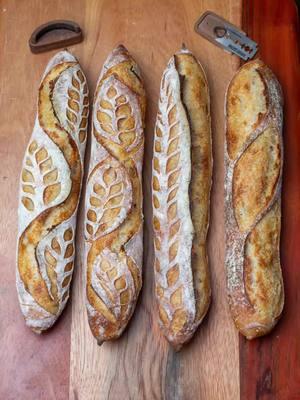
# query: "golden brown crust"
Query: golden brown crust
195,97
182,165
253,188
114,197
246,106
261,162
50,189
264,284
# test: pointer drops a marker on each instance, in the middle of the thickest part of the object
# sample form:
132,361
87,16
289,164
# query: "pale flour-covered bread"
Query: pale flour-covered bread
113,215
182,173
50,185
253,161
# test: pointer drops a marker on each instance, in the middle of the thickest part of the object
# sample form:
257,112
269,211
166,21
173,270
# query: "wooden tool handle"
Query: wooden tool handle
63,33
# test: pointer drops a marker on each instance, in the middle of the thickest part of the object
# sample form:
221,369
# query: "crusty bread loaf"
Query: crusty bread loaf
182,171
253,158
114,219
50,188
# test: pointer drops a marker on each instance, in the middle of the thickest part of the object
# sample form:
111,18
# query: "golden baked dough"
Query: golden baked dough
114,220
253,156
182,168
50,188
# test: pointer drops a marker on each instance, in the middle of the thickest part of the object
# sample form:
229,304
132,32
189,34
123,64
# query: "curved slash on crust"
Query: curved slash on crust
113,277
45,222
240,228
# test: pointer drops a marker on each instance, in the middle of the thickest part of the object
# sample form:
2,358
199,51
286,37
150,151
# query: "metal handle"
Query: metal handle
65,33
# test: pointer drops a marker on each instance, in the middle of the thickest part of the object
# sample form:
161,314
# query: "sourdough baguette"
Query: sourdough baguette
49,193
114,219
253,162
182,173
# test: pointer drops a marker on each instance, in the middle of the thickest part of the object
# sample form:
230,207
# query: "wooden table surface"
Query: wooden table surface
66,362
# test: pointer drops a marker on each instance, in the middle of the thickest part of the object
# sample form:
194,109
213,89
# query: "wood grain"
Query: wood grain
32,366
270,366
140,365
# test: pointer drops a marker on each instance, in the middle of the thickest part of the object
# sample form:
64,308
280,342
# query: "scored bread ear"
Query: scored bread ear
182,173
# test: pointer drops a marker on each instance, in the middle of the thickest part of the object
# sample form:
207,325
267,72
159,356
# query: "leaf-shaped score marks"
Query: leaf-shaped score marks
58,257
78,106
71,102
165,199
116,280
39,172
107,205
114,114
173,230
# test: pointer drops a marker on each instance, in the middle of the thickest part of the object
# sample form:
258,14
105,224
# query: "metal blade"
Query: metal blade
225,35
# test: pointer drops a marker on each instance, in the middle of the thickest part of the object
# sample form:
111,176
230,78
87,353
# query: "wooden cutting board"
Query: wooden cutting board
66,362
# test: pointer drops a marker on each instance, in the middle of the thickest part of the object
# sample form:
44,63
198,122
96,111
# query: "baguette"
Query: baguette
50,187
182,174
113,216
253,162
